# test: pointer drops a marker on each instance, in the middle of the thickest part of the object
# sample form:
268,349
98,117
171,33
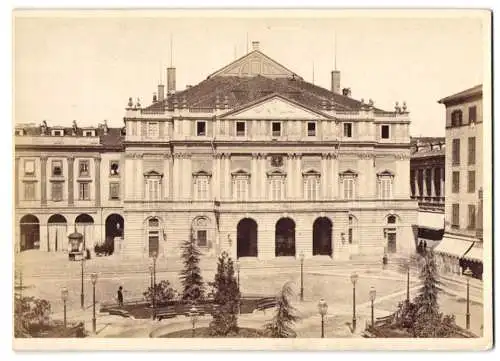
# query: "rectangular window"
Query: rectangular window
240,129
153,189
201,129
153,130
57,133
472,114
384,132
84,168
29,167
114,168
241,188
29,191
201,236
348,184
311,188
311,129
57,191
202,188
385,188
88,133
276,129
455,179
114,190
472,151
57,168
348,130
471,224
350,235
84,191
455,152
455,215
276,189
471,182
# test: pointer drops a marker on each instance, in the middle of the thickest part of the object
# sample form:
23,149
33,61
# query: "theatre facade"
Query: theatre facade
253,160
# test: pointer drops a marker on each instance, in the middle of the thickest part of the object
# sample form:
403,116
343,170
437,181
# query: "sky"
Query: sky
85,68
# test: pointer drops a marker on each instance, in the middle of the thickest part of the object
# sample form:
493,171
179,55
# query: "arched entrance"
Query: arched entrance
285,238
322,237
113,229
85,225
57,229
30,232
246,238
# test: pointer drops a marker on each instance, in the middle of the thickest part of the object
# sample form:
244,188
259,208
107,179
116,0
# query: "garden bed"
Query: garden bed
203,332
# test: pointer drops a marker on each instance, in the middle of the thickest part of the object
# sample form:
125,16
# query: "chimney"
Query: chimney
170,80
336,81
161,92
346,92
255,45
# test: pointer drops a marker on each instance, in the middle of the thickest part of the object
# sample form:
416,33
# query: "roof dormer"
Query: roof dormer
88,132
19,132
57,132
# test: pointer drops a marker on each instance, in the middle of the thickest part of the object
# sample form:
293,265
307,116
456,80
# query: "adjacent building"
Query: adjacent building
462,244
253,160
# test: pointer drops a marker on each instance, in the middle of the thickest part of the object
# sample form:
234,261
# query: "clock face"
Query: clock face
276,161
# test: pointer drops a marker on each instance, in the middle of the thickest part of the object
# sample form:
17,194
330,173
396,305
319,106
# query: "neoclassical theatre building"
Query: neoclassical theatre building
253,160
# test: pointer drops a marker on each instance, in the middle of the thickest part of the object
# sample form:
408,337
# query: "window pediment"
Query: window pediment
385,173
153,174
276,173
348,173
240,173
311,173
202,173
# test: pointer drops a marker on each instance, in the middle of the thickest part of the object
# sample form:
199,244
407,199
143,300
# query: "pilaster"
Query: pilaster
43,180
71,179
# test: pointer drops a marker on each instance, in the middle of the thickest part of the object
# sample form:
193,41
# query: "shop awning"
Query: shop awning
454,247
431,220
474,254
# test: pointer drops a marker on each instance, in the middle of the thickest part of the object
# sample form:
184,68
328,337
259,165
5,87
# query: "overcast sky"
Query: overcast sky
86,68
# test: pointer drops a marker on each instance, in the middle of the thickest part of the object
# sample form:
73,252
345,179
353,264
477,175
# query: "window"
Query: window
471,224
348,130
311,129
350,231
83,168
201,237
455,215
152,189
350,235
472,151
456,118
114,190
311,186
276,128
384,132
455,152
472,114
57,168
57,191
348,184
84,191
29,167
240,129
455,179
154,223
201,183
471,182
240,187
385,181
153,130
19,132
391,219
88,133
201,128
57,133
276,189
29,191
114,168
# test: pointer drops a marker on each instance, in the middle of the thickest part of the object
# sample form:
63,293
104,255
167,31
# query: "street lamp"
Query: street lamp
408,281
93,278
322,308
301,276
467,273
154,256
64,296
82,297
151,276
193,313
238,280
373,294
354,279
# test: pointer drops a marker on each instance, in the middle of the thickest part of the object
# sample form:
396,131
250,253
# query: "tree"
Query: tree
30,314
427,299
281,326
191,279
164,293
226,299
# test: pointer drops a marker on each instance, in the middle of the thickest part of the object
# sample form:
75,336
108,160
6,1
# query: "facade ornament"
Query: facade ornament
155,99
43,127
371,103
74,128
130,103
138,103
405,107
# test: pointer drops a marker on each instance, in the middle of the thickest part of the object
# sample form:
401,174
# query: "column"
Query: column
71,180
43,180
170,180
227,176
424,183
324,179
289,177
299,182
175,177
188,177
18,183
433,186
441,179
334,179
415,180
97,181
263,177
253,175
215,177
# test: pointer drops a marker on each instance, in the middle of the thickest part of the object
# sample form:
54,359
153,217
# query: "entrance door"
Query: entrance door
391,242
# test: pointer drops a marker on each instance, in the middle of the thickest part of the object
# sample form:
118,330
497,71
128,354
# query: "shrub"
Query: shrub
30,314
164,293
281,326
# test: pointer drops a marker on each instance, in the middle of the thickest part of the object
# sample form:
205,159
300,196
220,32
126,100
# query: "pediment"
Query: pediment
348,173
385,173
275,107
202,173
240,172
276,173
311,172
152,174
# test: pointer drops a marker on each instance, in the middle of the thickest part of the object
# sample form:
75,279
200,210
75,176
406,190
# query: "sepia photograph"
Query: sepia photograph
254,179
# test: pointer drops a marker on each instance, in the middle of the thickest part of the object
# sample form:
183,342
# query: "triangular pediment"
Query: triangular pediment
153,174
275,107
253,64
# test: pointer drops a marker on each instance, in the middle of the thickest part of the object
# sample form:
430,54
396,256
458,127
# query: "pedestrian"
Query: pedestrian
419,247
120,296
425,246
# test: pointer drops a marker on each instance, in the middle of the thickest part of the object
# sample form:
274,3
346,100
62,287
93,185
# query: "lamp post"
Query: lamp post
238,283
154,256
193,313
373,294
408,281
301,276
82,297
151,276
93,278
468,274
354,279
322,308
64,296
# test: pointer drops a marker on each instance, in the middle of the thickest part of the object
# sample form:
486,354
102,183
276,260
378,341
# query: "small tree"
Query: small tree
281,326
30,314
164,293
427,299
226,299
191,279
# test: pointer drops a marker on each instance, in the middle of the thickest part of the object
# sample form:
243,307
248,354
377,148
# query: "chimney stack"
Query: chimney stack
336,81
170,80
255,45
161,92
